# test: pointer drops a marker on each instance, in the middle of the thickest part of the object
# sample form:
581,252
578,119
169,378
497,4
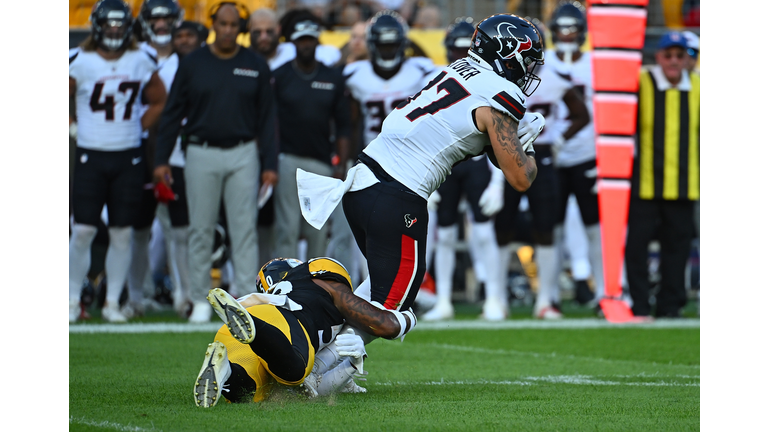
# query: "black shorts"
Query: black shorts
543,198
389,223
573,181
468,178
177,209
114,178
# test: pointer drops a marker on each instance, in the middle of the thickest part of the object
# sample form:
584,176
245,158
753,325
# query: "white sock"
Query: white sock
596,258
79,257
336,378
505,254
117,262
546,265
445,261
488,253
139,264
179,263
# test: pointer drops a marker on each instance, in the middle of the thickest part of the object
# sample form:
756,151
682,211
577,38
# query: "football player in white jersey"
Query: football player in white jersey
543,196
472,106
575,162
482,185
109,77
157,19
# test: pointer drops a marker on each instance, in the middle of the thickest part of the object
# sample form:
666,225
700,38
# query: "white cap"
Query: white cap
691,40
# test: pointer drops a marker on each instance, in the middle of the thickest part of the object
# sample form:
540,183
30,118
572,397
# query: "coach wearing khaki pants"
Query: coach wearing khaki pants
224,92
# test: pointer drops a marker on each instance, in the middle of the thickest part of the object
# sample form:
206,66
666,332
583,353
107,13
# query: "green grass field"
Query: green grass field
618,378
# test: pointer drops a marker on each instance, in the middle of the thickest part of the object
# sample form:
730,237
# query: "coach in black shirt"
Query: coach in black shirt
313,114
224,92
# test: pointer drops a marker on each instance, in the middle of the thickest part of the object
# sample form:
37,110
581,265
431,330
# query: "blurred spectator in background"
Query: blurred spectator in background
692,60
665,178
576,160
691,10
313,112
355,49
482,185
556,90
427,17
109,76
224,91
328,55
342,12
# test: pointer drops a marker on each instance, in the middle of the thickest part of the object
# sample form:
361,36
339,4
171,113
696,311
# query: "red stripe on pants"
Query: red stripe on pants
404,273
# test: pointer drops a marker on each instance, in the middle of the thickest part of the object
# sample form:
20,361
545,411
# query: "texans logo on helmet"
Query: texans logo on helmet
508,50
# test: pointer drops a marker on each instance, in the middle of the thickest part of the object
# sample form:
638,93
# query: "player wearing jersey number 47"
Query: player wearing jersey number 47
473,106
109,78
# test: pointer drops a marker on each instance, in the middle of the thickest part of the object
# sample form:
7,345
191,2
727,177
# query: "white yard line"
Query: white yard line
108,425
583,323
552,379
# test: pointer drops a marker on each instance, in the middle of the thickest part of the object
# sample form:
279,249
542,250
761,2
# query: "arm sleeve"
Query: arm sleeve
173,113
267,121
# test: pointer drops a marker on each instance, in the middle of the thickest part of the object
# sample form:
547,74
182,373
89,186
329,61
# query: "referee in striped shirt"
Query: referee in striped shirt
665,178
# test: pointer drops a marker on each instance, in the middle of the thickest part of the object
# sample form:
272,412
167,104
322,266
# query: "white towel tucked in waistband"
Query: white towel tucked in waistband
319,195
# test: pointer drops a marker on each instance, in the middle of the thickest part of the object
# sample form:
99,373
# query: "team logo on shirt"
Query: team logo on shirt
246,72
322,85
409,221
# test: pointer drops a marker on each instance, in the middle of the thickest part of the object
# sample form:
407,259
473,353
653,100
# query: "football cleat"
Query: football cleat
441,311
74,310
547,313
111,313
493,311
352,387
201,313
214,373
237,318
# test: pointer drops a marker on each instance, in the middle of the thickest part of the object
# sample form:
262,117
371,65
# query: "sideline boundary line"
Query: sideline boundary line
583,323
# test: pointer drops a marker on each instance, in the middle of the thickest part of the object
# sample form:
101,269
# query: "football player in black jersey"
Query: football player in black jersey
273,335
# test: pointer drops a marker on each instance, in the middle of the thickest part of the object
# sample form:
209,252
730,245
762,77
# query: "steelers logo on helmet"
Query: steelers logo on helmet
111,23
159,18
512,47
272,274
386,39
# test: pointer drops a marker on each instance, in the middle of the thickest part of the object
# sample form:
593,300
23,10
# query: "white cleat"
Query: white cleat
352,387
111,313
493,311
201,313
213,375
74,310
441,311
238,319
132,310
547,313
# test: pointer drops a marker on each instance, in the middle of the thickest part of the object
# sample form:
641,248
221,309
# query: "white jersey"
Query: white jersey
581,147
422,140
378,97
548,100
328,55
108,98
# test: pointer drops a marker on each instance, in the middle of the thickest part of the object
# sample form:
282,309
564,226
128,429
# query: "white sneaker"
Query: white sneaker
441,311
238,320
74,310
493,311
213,375
201,312
111,313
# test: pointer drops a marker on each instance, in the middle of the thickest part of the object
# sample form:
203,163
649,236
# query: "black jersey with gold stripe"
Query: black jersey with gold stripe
319,316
